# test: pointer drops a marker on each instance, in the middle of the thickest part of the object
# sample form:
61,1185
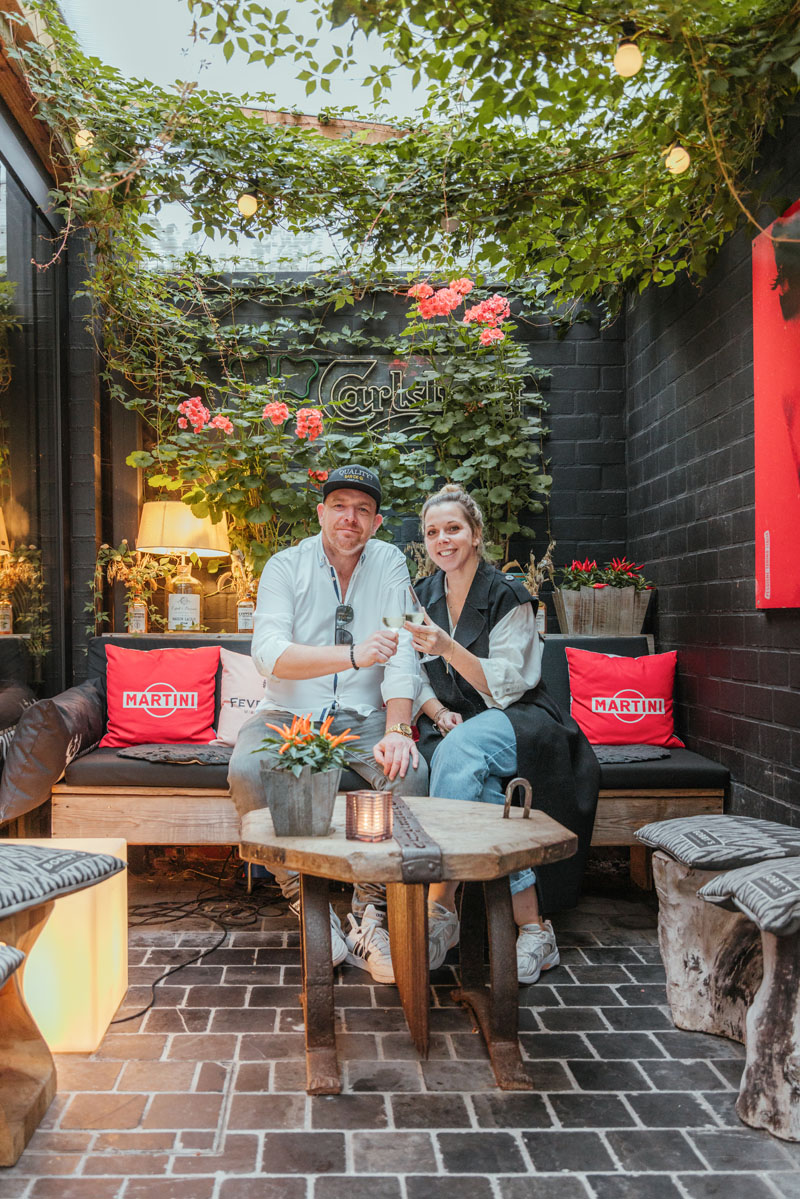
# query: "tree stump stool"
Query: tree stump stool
31,879
712,957
768,894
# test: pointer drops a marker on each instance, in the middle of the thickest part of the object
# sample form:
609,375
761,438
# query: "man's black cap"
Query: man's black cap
357,477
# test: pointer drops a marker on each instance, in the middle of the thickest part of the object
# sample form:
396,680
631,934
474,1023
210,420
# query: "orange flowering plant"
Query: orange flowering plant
300,744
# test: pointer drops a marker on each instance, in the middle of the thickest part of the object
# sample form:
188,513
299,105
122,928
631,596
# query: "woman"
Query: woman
485,716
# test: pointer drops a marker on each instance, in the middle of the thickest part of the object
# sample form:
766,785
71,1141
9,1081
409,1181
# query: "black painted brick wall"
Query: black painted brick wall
691,519
586,445
84,459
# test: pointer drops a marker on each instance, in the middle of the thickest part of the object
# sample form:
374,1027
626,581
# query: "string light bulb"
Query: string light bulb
84,140
628,59
247,204
677,159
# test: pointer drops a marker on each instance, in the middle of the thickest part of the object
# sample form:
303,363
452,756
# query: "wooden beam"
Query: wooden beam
18,97
367,132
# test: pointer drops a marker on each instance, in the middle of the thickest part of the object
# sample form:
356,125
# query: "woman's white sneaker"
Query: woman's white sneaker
368,945
443,932
536,951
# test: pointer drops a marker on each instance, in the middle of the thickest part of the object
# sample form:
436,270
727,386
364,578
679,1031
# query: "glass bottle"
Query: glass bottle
137,615
6,616
245,614
183,600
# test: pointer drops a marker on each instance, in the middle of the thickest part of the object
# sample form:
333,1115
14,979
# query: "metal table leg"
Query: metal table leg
495,1007
322,1066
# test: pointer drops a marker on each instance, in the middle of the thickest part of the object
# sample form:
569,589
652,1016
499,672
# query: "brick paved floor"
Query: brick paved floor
202,1097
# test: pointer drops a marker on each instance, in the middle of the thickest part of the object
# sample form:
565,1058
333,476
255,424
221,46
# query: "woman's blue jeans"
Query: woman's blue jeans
471,763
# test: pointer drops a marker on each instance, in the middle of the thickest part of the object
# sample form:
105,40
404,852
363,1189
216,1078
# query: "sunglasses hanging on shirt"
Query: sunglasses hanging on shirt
344,617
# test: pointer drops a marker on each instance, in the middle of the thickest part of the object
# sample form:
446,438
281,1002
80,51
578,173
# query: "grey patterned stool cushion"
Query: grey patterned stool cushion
721,842
32,874
10,959
767,892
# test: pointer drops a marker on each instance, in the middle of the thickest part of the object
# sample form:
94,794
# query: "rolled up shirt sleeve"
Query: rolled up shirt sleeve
274,616
514,664
424,691
401,678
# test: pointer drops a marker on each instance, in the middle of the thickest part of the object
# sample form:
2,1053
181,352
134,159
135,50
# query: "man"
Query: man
319,641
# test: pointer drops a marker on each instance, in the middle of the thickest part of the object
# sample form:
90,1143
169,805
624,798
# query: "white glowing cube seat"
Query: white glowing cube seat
76,974
32,877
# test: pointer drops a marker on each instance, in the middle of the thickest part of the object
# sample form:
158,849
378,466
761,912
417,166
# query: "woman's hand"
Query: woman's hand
448,720
428,638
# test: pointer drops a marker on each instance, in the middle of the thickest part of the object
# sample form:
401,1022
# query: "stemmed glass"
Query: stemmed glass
415,614
394,610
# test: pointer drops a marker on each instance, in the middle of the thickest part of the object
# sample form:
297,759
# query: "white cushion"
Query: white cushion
241,691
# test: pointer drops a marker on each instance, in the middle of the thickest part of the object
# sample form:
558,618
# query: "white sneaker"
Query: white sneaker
536,951
443,932
368,945
338,943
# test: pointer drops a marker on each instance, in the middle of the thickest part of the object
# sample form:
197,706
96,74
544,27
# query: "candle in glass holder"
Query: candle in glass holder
368,815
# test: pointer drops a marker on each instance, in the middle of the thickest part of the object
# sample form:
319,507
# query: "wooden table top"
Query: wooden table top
476,843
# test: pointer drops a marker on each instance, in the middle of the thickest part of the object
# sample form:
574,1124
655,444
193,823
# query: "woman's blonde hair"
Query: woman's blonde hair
451,493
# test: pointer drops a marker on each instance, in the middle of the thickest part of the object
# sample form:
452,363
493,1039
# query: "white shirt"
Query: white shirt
297,599
514,664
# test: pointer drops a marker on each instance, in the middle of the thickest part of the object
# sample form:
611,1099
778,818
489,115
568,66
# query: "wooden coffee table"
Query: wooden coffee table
479,847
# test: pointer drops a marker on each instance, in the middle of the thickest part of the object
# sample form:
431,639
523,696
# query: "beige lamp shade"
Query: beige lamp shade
5,548
168,527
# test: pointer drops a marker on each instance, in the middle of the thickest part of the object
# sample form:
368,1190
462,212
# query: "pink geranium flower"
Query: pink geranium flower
420,291
276,412
462,286
319,476
309,423
195,412
221,422
490,335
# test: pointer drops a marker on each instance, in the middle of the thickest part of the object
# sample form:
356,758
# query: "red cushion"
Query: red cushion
623,701
160,695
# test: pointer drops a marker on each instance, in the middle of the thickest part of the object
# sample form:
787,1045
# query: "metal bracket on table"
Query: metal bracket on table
527,793
421,856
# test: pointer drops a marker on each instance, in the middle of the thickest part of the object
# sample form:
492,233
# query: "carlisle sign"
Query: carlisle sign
630,706
160,699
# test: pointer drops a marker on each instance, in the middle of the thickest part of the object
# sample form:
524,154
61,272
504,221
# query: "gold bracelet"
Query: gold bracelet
449,659
441,712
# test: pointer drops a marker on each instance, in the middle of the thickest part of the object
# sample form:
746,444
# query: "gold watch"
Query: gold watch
405,729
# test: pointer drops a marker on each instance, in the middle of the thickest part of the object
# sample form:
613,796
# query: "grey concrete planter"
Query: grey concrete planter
300,807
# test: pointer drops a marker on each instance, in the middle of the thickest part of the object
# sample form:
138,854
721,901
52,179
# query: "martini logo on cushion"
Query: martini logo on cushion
628,705
160,696
623,701
160,699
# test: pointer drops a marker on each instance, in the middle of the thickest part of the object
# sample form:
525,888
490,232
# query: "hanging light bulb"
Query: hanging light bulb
628,59
247,204
677,159
84,140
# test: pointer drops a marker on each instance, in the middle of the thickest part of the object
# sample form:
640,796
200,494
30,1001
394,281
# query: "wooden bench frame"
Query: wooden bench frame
195,816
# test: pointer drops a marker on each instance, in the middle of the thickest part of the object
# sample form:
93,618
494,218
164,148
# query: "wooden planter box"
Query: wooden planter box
601,610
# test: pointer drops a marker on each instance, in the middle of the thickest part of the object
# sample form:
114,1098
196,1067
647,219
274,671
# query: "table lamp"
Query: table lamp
168,527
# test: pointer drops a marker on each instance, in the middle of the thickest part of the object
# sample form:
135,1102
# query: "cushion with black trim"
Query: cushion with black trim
34,874
767,892
10,960
721,842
